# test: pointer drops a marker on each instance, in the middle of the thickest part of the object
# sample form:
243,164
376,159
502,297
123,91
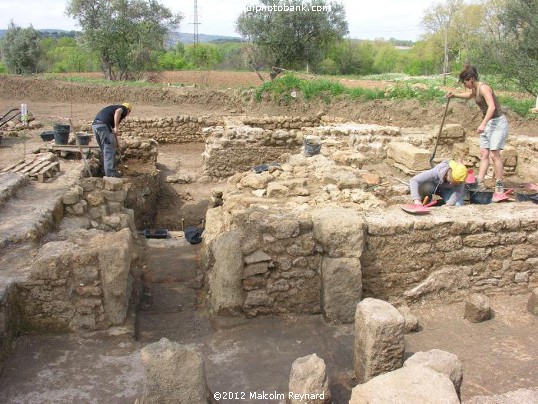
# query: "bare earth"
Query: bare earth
498,356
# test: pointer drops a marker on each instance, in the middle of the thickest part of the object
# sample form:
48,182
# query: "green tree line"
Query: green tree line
124,39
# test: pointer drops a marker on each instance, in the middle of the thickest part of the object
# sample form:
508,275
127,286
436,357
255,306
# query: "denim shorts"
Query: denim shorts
494,137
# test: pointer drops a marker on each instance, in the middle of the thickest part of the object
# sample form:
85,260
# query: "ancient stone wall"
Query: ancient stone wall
99,203
310,236
173,129
287,262
488,249
82,281
80,284
293,261
240,148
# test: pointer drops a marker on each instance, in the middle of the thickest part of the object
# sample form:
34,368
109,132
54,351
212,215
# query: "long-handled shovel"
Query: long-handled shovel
439,134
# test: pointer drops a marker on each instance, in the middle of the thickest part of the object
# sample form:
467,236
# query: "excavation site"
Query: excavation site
255,251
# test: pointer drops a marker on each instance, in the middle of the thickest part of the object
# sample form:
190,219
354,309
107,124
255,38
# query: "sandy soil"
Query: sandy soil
498,355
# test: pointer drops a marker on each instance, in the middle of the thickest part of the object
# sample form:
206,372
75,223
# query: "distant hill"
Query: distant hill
188,38
183,37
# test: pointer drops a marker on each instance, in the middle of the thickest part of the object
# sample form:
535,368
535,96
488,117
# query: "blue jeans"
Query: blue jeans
107,143
429,188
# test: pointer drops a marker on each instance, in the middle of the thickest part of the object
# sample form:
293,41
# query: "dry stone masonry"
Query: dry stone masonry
78,284
307,236
100,203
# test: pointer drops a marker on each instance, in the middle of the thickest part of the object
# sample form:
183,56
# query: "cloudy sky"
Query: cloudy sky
367,19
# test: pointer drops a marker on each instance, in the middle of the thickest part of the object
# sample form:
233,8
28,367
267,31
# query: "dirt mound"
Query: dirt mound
81,101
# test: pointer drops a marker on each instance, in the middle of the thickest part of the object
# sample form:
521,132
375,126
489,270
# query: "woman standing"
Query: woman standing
493,129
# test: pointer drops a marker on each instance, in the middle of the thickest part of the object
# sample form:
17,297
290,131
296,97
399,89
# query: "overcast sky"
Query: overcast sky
367,19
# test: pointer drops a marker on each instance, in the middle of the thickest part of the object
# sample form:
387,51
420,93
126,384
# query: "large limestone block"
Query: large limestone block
509,156
477,308
225,288
411,321
379,339
532,303
441,361
452,131
411,384
339,230
410,156
174,374
308,381
341,288
115,262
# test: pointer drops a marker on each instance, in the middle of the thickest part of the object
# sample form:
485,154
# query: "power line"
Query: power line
196,38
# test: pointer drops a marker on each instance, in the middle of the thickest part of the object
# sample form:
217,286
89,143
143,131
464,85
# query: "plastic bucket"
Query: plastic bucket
61,138
47,136
60,127
481,197
468,190
527,197
83,138
312,146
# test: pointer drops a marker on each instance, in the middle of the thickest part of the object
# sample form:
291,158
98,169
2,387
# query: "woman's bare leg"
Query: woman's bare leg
484,164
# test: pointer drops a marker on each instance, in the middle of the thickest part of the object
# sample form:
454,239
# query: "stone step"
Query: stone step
31,209
10,183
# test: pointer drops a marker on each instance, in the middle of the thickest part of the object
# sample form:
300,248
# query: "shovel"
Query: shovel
439,134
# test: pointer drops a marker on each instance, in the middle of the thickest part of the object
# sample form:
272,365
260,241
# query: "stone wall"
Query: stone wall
79,284
240,148
293,261
309,237
237,146
278,262
172,129
99,204
475,248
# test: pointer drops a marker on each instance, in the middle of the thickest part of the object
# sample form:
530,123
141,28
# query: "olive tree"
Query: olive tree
21,51
126,35
512,48
297,33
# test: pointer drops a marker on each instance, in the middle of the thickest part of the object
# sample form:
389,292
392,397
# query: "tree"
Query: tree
438,19
296,33
63,54
127,35
513,50
20,49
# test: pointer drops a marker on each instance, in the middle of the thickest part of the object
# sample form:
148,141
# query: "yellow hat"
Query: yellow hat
127,105
459,171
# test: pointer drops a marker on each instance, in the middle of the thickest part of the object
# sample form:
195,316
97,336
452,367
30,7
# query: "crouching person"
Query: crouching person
447,179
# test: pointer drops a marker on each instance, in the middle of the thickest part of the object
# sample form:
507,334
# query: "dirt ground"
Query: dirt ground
498,356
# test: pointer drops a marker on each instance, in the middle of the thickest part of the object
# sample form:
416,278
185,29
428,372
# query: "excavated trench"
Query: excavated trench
175,299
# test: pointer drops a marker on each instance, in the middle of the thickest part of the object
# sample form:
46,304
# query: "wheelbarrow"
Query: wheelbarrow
11,114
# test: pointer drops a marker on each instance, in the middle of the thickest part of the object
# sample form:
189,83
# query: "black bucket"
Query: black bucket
60,127
156,233
311,146
61,138
481,197
83,139
47,136
526,197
